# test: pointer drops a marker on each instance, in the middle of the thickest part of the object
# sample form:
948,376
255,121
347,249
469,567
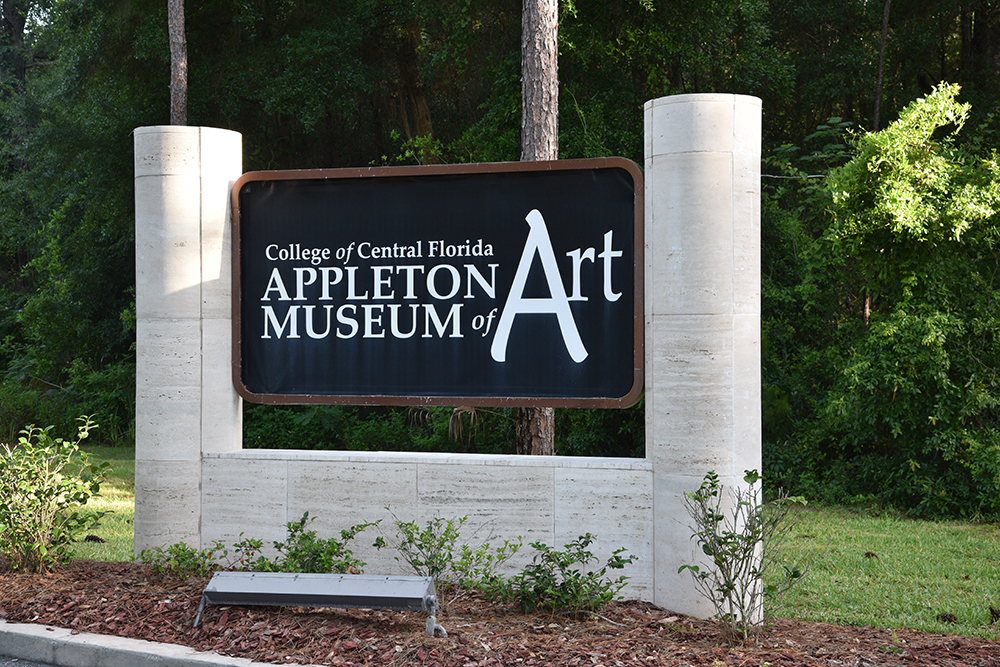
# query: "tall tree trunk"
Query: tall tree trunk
178,62
414,107
539,80
13,14
881,66
539,141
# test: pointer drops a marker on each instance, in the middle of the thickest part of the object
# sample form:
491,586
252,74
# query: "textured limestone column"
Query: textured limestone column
702,174
185,401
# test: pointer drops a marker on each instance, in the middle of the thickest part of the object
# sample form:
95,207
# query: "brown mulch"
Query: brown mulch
129,600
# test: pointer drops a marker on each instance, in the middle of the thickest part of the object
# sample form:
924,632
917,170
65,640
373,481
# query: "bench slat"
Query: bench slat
323,590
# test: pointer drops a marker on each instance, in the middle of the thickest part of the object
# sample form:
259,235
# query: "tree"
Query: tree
539,141
904,279
178,62
540,81
13,15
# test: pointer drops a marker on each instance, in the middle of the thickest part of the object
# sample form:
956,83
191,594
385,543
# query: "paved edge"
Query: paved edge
63,648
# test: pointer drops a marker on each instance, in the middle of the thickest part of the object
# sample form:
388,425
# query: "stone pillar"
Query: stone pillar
702,287
185,401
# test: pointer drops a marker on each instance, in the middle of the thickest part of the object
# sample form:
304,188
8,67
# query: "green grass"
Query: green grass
118,499
917,570
888,571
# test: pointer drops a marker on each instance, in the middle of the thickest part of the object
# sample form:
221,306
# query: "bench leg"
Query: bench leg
432,627
201,608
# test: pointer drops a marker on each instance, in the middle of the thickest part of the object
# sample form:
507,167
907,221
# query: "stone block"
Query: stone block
244,495
691,229
690,123
168,503
167,149
616,507
167,252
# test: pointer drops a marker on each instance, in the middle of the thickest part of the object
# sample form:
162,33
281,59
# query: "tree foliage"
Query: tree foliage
879,259
906,275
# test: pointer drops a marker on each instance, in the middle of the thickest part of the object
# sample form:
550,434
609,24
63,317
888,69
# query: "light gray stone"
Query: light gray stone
170,508
182,180
702,312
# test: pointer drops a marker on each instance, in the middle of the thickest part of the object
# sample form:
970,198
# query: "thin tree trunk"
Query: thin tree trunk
539,81
178,62
13,15
539,141
881,66
414,107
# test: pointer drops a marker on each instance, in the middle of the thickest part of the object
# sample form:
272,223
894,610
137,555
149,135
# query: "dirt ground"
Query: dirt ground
129,600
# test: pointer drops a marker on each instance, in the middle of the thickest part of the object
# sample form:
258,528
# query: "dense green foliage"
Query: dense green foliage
436,550
302,551
45,484
879,356
887,389
562,580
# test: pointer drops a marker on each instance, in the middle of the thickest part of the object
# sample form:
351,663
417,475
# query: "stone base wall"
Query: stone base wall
552,500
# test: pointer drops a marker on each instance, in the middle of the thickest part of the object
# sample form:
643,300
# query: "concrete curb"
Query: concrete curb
60,647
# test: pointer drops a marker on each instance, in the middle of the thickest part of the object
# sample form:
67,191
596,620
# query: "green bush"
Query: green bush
432,551
558,581
601,432
181,560
371,428
302,551
44,485
879,316
743,540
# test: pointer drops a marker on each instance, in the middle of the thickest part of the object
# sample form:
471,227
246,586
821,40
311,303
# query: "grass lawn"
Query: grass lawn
884,570
118,499
868,568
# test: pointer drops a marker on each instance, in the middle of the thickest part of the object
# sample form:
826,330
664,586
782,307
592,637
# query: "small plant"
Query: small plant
181,560
558,581
431,552
44,485
246,554
303,551
743,548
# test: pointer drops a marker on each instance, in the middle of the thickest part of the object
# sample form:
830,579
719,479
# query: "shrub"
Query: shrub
181,560
431,552
303,551
44,485
743,547
558,581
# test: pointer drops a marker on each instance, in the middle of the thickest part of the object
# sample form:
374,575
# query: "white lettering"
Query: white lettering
556,303
325,272
607,256
488,287
383,276
310,331
372,321
291,321
394,320
274,284
456,281
430,314
577,261
351,295
300,282
349,321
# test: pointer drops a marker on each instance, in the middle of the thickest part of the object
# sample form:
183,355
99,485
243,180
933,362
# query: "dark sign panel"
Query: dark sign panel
490,284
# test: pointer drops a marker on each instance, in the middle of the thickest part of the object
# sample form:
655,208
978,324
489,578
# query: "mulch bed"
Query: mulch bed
129,600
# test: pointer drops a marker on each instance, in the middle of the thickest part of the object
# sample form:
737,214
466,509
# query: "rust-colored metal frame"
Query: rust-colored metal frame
638,315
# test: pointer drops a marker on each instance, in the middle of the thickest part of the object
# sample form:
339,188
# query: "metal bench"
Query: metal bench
324,590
